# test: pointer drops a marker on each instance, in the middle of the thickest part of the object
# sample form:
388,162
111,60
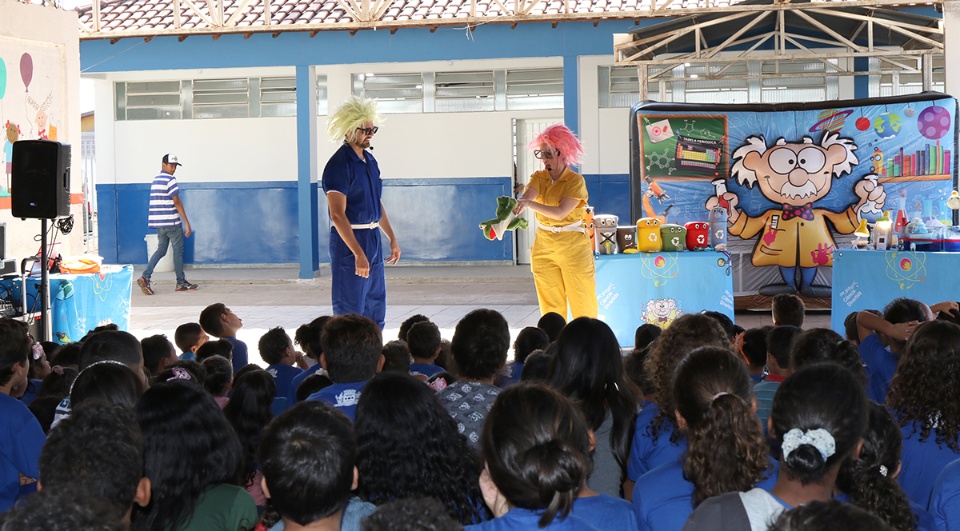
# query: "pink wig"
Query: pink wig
559,137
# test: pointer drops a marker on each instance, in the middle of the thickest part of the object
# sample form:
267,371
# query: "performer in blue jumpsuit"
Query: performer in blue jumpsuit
352,184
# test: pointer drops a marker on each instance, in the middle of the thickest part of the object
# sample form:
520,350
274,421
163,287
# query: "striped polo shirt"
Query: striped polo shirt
162,211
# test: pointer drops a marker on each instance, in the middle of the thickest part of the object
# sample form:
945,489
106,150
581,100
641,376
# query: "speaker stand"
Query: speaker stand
45,325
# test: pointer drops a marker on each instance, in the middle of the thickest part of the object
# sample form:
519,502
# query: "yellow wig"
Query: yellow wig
352,113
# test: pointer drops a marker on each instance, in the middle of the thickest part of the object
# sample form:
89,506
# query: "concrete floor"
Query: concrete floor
270,297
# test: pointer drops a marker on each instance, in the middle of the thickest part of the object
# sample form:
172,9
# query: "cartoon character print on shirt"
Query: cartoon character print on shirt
796,175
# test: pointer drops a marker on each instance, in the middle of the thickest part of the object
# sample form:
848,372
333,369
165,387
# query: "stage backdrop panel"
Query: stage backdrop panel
864,280
656,288
686,155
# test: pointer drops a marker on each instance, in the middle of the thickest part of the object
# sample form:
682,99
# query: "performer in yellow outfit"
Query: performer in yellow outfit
561,259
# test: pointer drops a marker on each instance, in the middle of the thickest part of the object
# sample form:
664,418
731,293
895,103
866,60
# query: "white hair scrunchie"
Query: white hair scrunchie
818,438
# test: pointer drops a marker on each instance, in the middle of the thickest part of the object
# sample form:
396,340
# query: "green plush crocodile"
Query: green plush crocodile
505,220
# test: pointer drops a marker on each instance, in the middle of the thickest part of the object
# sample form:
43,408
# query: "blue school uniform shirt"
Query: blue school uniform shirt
922,462
426,369
646,452
518,519
298,379
343,396
283,376
188,356
33,390
881,366
605,512
945,500
511,375
240,358
663,498
21,439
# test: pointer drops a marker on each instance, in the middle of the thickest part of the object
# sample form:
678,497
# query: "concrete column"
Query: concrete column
307,170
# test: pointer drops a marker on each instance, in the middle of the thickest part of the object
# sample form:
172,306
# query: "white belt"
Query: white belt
373,225
576,226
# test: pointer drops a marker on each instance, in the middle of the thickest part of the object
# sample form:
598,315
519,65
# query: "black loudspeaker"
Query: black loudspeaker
40,181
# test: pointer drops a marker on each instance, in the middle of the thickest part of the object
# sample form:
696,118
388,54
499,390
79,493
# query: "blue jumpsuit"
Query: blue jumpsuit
360,182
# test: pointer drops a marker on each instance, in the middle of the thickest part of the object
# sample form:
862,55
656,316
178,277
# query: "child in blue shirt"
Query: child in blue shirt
308,337
945,501
726,451
276,349
536,446
219,321
528,340
925,398
423,340
655,441
351,346
189,337
22,437
883,339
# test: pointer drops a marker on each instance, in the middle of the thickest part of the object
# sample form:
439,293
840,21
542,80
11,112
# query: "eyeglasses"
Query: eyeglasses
368,130
545,154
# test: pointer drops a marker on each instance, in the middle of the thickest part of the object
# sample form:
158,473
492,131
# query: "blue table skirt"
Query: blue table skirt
865,280
79,303
634,289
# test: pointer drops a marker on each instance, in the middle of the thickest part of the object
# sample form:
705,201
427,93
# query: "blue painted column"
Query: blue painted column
307,170
571,92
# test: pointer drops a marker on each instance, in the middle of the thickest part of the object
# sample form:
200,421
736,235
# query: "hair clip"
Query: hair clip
718,395
57,369
883,470
37,351
179,373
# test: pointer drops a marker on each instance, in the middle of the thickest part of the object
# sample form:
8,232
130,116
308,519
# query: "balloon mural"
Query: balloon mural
3,78
26,70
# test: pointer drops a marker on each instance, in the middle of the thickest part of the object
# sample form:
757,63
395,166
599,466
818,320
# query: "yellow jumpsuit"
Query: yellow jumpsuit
562,262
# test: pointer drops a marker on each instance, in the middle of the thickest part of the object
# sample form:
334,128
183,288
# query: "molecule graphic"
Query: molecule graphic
690,129
660,161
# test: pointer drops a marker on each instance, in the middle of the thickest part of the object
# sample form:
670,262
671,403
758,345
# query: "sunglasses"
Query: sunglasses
368,130
545,154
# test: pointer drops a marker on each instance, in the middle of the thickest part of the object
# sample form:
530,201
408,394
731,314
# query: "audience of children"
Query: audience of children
787,309
536,449
158,352
655,440
21,437
351,354
528,340
396,357
308,458
219,321
925,398
870,479
189,337
218,379
98,450
779,342
423,340
408,446
752,345
308,337
588,369
194,461
276,349
480,343
819,416
545,450
249,413
726,451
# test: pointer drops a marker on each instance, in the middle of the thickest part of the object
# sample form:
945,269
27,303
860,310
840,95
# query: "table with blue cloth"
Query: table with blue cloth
865,280
656,288
80,302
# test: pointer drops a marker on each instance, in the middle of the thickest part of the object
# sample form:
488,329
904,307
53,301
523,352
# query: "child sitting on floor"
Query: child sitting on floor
218,320
189,337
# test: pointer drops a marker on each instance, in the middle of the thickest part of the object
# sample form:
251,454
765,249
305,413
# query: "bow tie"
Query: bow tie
793,211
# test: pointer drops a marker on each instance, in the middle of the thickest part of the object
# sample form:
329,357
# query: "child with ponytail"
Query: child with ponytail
536,447
819,415
726,452
870,481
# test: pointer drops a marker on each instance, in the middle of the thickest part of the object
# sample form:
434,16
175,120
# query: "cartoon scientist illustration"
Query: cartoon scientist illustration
796,237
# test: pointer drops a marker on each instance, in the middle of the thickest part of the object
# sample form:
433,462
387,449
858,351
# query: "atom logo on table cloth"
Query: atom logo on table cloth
906,268
659,268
